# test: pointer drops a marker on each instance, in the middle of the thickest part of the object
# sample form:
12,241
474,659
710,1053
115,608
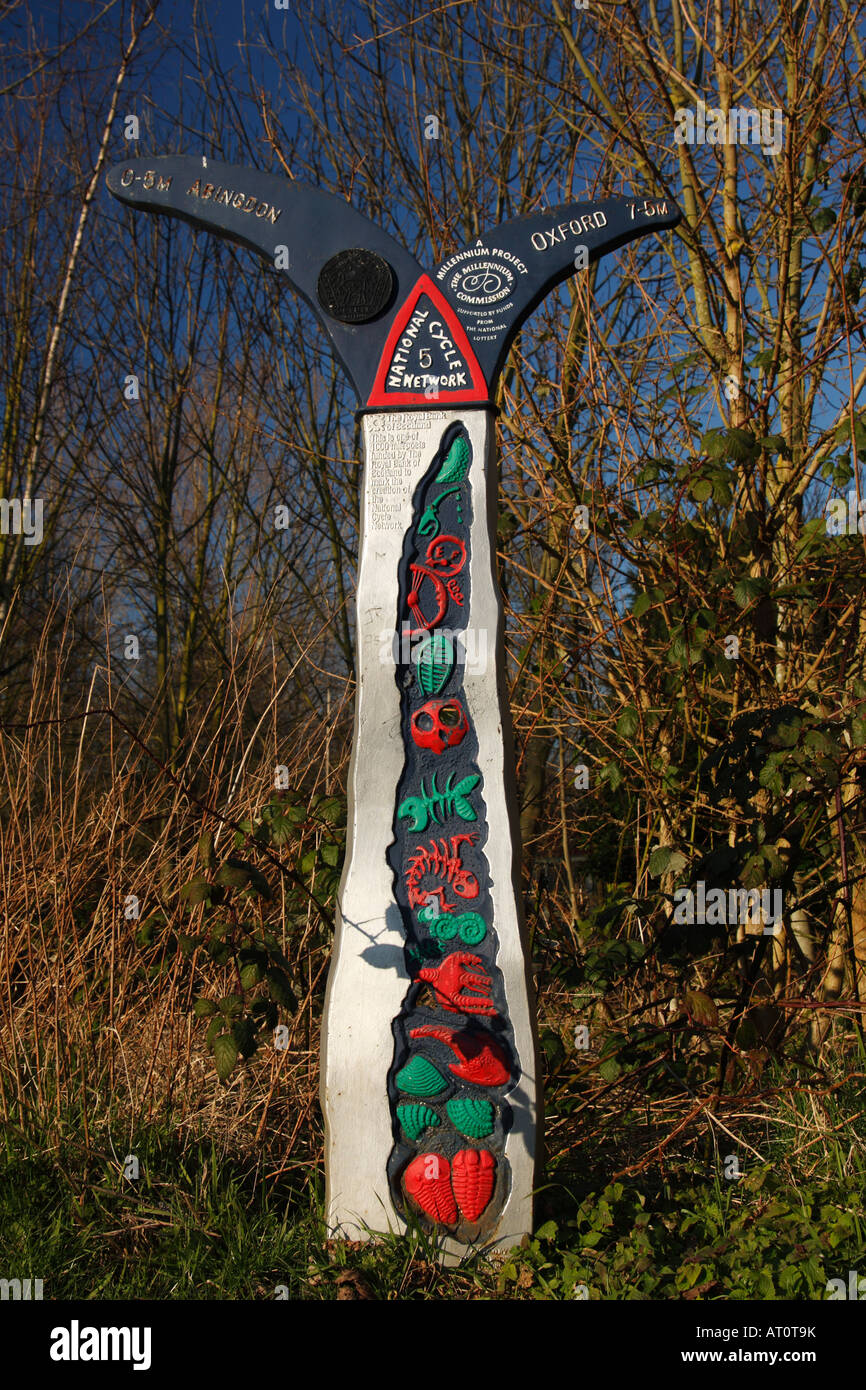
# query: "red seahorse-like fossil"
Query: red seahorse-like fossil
436,860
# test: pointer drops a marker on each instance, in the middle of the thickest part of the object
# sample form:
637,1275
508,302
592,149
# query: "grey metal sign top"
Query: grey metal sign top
405,337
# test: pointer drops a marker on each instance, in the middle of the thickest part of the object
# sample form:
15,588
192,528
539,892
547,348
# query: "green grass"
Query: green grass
201,1224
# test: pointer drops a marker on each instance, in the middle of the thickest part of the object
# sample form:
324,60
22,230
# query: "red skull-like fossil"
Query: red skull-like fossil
439,724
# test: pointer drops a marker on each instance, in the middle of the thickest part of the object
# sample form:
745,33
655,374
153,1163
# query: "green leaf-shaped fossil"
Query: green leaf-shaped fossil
420,1078
416,1118
473,1118
434,662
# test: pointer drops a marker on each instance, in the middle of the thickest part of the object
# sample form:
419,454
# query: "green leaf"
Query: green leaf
659,860
774,443
823,220
196,891
205,850
700,1008
741,445
466,784
251,973
280,988
641,604
747,589
701,489
233,874
282,829
332,810
225,1051
434,659
628,723
713,444
244,1034
610,1069
204,1008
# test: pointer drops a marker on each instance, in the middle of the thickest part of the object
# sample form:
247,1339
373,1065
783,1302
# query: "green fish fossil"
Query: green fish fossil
434,804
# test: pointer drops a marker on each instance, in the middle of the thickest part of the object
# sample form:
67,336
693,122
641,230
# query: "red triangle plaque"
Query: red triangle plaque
464,383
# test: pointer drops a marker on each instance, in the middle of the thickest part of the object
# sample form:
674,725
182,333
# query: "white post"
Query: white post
369,979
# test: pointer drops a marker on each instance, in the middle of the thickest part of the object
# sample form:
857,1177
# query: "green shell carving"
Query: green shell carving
420,1078
456,464
471,926
443,927
434,660
473,1118
416,1118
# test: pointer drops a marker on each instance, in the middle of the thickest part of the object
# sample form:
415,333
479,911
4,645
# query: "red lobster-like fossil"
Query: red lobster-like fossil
452,982
482,1061
444,865
446,556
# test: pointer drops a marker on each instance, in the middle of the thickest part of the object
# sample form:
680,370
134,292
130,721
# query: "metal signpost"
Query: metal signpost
429,1072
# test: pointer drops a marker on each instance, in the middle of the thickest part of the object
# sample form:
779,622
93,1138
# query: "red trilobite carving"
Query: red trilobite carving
472,1178
426,1180
482,1062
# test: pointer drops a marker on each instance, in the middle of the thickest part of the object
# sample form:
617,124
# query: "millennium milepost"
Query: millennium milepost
429,1080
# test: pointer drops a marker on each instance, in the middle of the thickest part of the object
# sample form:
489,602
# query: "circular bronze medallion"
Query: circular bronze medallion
355,286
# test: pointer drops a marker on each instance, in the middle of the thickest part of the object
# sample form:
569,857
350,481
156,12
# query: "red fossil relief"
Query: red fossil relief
472,1176
437,861
426,1180
445,558
460,984
481,1061
439,724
